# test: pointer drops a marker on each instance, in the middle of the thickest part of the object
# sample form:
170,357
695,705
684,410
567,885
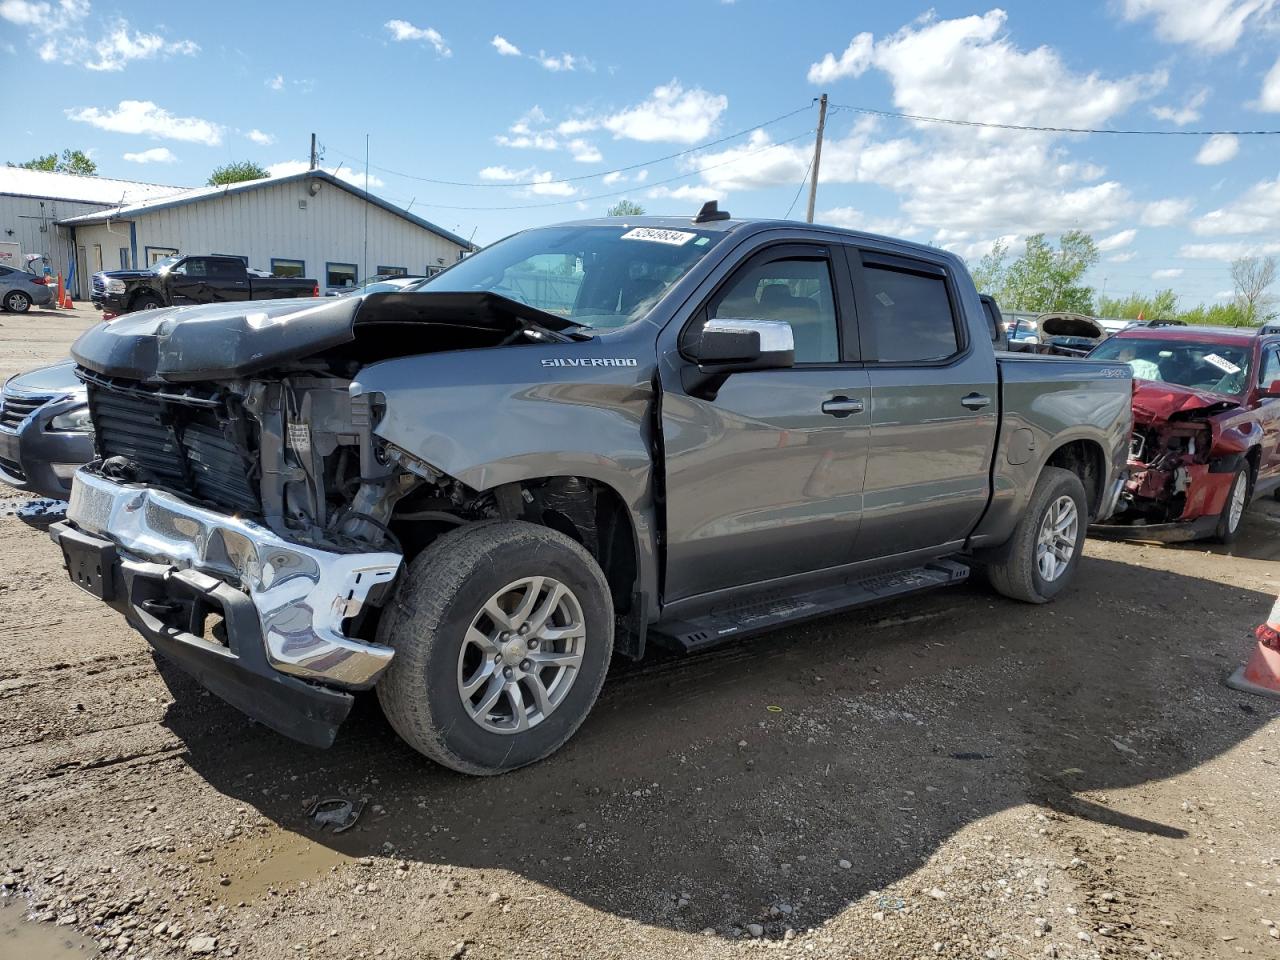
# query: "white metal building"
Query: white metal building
33,201
308,224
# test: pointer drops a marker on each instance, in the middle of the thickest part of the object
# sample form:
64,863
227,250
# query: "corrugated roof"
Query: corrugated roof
129,210
19,181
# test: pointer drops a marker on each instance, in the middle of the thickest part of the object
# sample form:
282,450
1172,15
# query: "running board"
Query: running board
727,623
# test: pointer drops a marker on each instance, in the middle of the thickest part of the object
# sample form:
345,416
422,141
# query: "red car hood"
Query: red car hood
1156,400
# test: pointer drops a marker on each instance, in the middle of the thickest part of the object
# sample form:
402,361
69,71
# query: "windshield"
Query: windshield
164,263
1217,367
600,277
402,285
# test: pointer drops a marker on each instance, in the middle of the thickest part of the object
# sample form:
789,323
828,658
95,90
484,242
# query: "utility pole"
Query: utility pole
817,158
313,151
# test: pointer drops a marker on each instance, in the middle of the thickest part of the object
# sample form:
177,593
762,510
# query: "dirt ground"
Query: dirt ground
951,775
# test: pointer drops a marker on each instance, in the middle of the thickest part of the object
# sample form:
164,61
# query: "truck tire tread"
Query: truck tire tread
1012,569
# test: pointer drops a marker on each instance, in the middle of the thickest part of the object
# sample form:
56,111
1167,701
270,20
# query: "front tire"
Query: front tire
1041,557
146,301
1232,516
503,633
17,302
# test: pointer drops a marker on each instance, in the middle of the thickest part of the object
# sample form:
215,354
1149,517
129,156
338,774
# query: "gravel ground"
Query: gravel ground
951,775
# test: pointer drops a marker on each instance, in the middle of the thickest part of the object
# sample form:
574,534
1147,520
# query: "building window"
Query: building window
432,270
284,267
341,275
244,260
393,271
124,258
158,253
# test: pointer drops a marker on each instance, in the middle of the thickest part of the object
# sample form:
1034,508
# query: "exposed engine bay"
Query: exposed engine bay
1182,455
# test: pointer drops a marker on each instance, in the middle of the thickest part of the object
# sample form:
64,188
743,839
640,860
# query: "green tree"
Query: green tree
989,274
71,161
1253,278
1162,306
1044,279
236,172
625,208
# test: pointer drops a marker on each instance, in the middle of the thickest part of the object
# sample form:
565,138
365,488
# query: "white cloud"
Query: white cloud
146,118
1218,149
1167,212
353,177
671,113
403,30
1212,25
1227,251
1257,210
584,151
854,219
504,46
121,46
609,179
1122,257
1169,273
525,141
564,62
852,63
543,186
503,174
58,31
154,155
1117,240
569,128
260,138
276,82
1189,112
1269,99
692,192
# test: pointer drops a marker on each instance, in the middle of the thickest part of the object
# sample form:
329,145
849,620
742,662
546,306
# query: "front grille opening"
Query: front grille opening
214,628
13,409
188,442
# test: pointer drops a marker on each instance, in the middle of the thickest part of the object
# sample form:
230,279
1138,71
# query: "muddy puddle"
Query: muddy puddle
21,939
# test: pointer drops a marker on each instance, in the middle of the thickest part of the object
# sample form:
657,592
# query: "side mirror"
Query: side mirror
725,346
1272,389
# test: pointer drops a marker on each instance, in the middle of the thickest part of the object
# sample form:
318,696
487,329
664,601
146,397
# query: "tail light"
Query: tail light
315,289
43,281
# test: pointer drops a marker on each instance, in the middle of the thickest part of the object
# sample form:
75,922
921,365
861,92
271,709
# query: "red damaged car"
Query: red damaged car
1206,422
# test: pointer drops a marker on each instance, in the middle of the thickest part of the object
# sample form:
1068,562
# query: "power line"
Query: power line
620,193
799,189
1015,126
587,176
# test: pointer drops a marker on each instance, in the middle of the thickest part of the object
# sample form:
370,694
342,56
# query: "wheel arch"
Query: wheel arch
1085,458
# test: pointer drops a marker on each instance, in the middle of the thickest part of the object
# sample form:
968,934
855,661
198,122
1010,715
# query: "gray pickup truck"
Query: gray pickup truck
580,440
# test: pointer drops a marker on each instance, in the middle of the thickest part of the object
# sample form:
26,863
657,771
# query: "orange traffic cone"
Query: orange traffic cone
1261,675
57,300
66,300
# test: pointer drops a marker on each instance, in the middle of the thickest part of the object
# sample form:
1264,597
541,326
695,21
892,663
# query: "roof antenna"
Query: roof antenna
711,212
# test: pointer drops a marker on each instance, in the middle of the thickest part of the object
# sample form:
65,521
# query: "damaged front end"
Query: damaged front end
1182,458
240,508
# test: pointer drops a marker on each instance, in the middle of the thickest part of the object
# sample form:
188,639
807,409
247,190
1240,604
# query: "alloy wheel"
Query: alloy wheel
1056,543
521,655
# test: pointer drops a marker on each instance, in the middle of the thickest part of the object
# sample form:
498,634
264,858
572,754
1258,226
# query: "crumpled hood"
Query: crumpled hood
1155,400
226,341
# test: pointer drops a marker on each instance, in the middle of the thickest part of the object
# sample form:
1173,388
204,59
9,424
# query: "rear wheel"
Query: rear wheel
503,633
1232,515
17,302
1041,557
147,301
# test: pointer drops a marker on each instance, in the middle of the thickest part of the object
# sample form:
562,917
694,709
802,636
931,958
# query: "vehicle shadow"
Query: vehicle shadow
807,767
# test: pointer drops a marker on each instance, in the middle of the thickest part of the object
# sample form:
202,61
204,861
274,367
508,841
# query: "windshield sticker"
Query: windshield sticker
675,238
1222,363
885,298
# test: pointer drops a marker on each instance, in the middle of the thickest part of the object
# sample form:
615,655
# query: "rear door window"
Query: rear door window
905,310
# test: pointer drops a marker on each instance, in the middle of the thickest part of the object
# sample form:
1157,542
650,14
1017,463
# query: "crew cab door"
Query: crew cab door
1269,416
763,476
934,411
208,280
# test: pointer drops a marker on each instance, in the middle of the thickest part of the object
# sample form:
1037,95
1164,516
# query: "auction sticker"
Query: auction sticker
1222,363
676,238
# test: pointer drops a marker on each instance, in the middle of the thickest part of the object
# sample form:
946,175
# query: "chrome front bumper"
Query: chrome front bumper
301,594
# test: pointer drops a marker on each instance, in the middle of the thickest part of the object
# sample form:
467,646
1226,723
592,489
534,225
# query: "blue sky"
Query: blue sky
519,97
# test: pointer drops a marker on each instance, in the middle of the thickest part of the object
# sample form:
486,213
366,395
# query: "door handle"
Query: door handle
974,401
841,406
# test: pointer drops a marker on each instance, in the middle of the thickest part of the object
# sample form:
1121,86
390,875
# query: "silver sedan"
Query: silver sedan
19,290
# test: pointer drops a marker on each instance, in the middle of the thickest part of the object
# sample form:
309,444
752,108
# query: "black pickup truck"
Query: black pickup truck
179,280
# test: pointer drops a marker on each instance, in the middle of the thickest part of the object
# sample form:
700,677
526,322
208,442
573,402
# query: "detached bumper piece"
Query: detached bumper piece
279,653
1180,531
